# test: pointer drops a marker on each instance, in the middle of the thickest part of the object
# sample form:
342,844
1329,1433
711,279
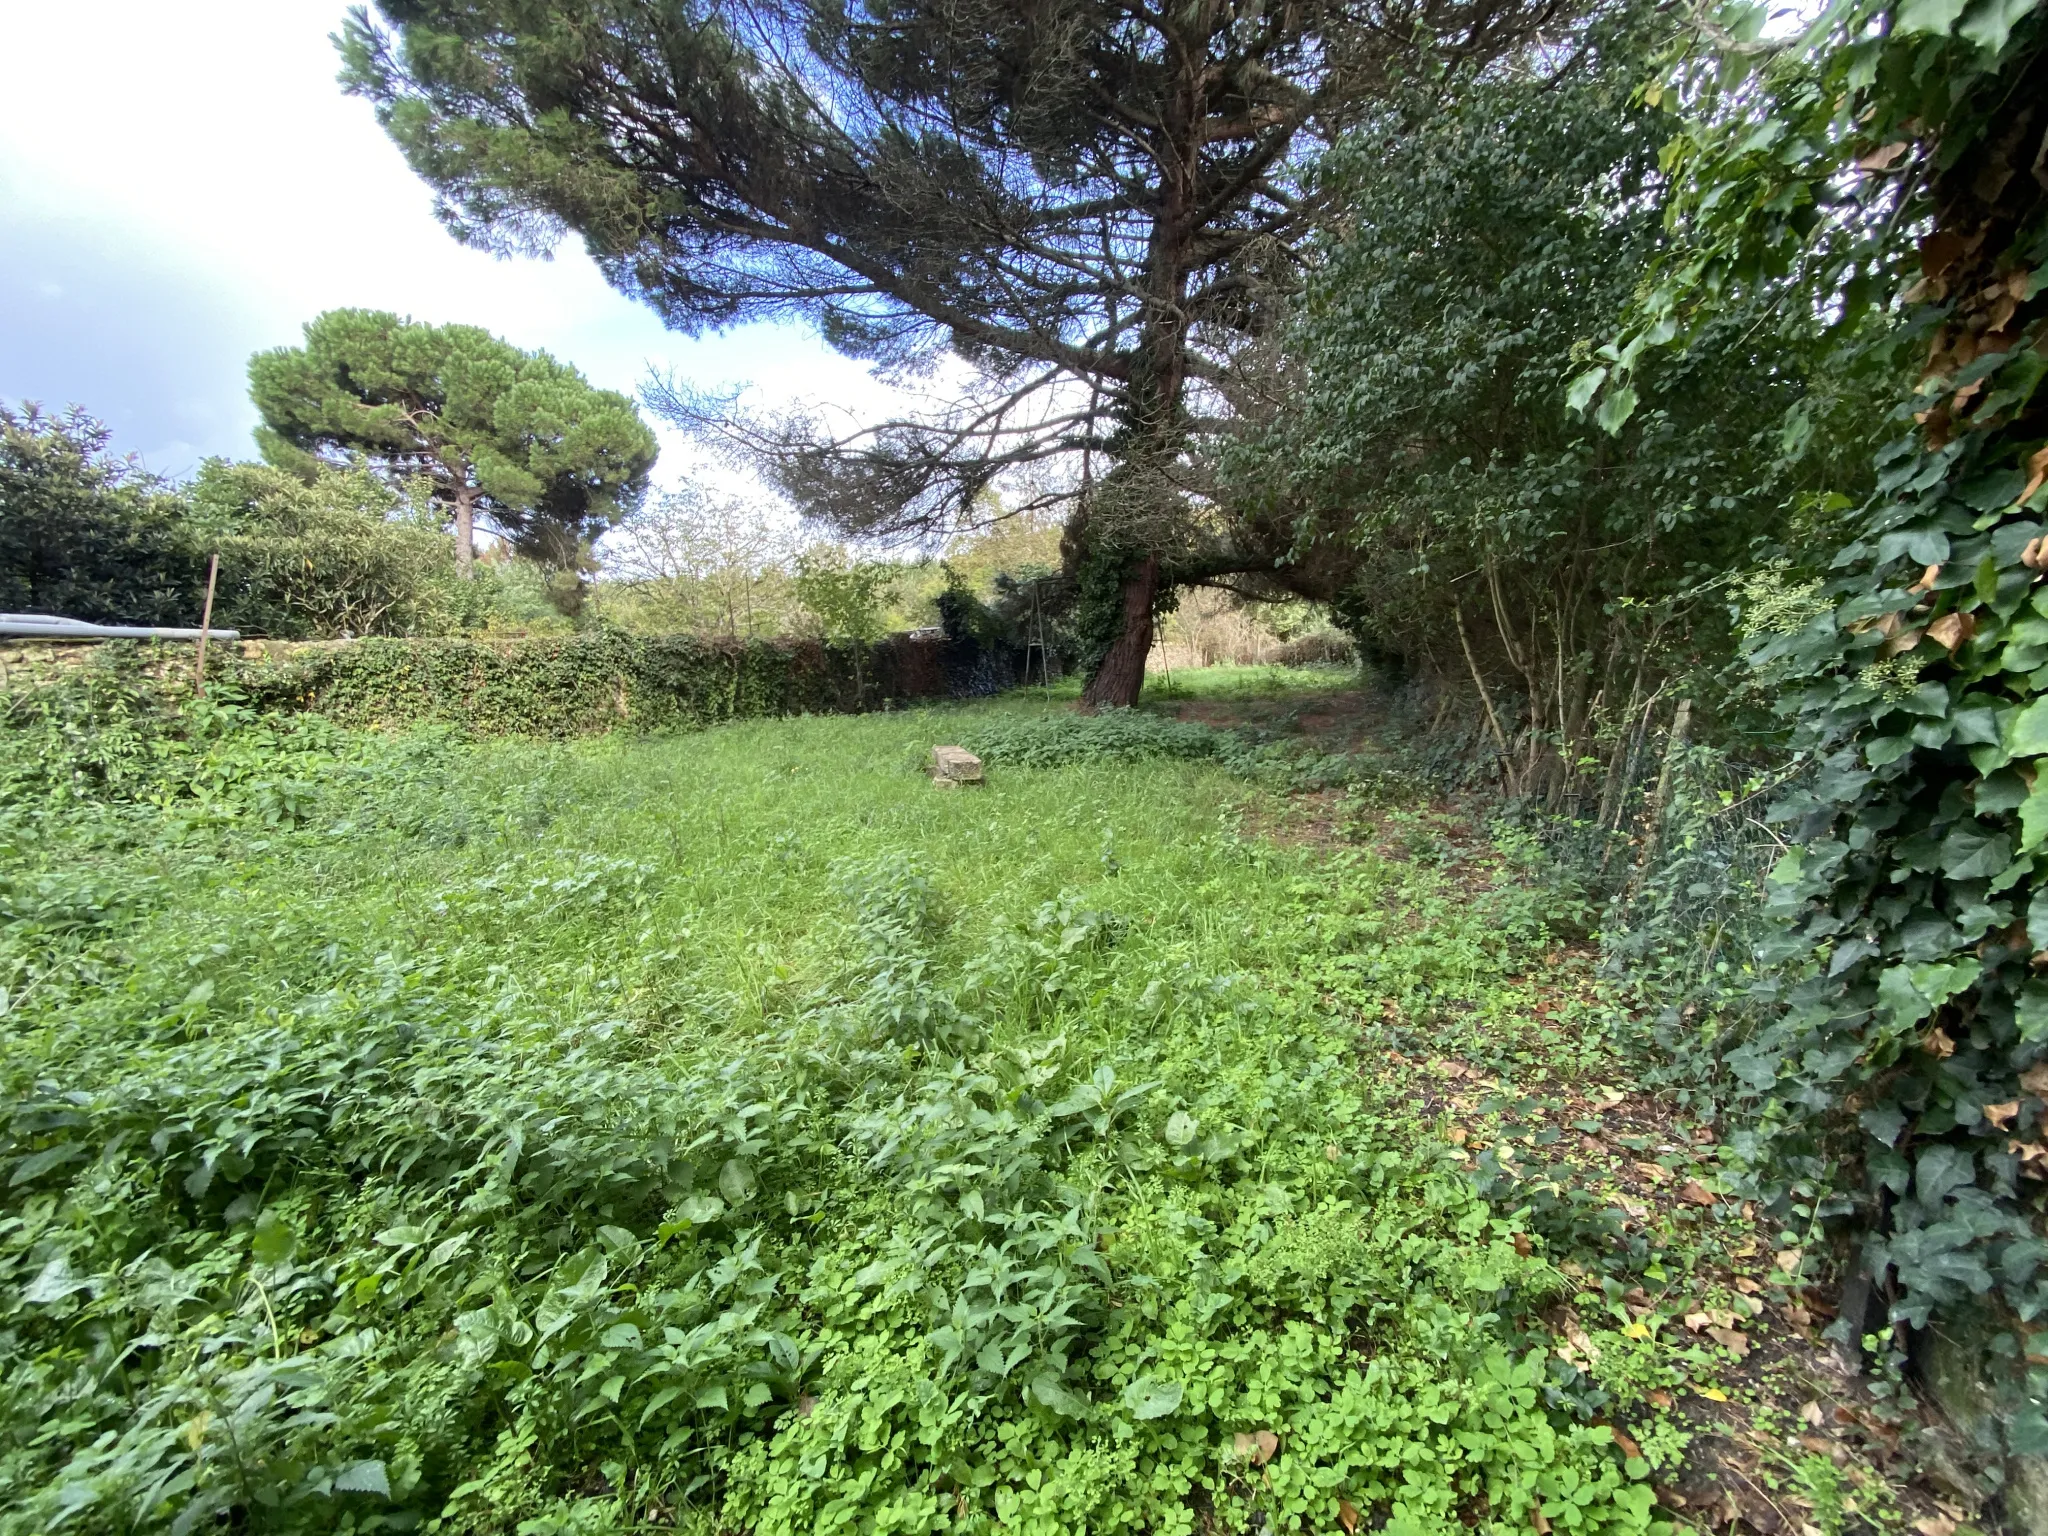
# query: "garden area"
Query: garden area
1190,1129
1317,811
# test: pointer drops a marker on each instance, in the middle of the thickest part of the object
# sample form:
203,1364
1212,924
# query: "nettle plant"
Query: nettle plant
1886,174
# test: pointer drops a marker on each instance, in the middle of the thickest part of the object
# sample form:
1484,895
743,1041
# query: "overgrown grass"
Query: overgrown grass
734,1132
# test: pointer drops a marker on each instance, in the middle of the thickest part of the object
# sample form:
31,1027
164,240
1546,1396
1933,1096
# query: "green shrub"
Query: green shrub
1109,736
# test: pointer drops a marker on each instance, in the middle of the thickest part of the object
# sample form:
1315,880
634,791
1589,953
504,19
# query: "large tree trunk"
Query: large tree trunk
465,532
1121,676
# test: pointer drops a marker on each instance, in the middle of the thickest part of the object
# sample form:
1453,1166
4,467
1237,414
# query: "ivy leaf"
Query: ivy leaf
1910,993
1970,853
2027,736
2032,1013
2034,816
1941,1170
1884,1122
2026,1433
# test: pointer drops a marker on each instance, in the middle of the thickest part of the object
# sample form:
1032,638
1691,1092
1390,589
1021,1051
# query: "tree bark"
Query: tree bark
465,532
1120,678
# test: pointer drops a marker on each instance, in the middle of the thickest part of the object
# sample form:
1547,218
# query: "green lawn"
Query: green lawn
734,1131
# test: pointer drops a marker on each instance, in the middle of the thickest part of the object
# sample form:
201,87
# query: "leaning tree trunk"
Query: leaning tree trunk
1121,676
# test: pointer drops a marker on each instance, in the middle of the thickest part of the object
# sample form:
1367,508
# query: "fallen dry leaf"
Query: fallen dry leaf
1457,1135
1731,1341
2002,1115
1799,1317
1935,1525
1809,1413
1787,1259
1656,1173
1937,1044
2037,473
1878,159
1698,1193
1539,1521
1698,1322
1265,1446
1951,630
1747,1286
1522,1244
1347,1515
1628,1445
2035,1079
1661,1399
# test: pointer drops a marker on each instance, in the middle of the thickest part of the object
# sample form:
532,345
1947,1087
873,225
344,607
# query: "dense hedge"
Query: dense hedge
583,684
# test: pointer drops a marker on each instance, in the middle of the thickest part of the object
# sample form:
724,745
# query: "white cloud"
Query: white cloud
183,185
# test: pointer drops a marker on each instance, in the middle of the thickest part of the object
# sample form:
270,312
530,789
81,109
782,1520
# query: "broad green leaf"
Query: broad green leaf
701,1209
1049,1390
736,1181
1149,1398
1936,16
273,1241
363,1477
1989,23
1583,388
1616,409
36,1164
53,1282
1181,1127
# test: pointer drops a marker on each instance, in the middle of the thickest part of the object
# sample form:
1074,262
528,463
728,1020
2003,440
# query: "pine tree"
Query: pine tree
1094,202
513,436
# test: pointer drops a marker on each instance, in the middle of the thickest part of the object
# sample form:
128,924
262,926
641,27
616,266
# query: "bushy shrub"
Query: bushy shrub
86,533
336,555
1110,736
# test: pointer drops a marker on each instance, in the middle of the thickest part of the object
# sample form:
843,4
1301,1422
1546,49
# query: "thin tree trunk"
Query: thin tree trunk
1120,678
1660,797
465,532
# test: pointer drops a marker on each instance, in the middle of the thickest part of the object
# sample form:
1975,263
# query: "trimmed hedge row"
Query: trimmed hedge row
581,685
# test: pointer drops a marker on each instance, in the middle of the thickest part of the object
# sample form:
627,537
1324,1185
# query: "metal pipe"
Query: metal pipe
38,626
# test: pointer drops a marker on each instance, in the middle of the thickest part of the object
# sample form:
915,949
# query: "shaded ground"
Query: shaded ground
1786,1435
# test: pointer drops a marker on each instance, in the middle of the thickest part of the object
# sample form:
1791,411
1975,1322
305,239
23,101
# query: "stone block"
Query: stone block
954,766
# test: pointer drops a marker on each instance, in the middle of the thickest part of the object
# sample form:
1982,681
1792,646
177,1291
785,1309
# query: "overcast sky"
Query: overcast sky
183,185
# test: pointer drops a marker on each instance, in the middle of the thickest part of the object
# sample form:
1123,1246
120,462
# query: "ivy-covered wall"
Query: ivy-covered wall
578,685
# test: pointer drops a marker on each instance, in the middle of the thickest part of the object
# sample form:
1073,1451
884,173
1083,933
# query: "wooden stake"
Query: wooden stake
205,624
